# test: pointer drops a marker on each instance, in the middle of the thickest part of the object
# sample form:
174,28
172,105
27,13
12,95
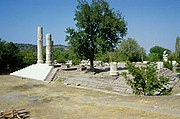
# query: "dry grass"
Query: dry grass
56,101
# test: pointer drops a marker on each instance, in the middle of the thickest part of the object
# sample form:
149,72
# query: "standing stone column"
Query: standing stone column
52,58
48,49
39,45
113,69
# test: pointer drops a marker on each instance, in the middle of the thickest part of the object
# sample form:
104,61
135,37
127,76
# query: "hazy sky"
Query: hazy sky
150,22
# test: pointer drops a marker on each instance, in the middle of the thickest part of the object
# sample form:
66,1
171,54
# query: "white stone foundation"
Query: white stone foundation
35,71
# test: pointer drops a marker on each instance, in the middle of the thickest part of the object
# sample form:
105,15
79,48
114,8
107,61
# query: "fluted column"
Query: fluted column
48,49
39,45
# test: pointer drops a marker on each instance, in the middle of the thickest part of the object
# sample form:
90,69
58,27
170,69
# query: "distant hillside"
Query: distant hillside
61,47
34,47
26,46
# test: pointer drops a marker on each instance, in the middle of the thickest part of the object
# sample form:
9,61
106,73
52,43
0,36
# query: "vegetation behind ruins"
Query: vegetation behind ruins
10,57
15,56
98,29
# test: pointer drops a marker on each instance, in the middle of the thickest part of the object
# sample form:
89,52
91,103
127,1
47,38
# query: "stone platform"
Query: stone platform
35,71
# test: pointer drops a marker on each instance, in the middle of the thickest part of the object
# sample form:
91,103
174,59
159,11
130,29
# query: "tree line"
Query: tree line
14,56
10,57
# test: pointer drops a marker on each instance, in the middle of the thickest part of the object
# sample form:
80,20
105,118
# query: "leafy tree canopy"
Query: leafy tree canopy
10,58
178,48
29,57
99,29
159,51
130,50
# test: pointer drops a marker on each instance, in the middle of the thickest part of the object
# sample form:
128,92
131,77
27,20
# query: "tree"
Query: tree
99,29
10,57
153,57
130,50
177,52
159,51
29,57
145,80
64,55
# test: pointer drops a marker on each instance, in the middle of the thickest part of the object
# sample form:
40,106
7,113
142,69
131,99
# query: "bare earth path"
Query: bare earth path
58,101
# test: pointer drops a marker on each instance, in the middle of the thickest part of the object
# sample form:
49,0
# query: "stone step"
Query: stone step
52,75
168,73
99,84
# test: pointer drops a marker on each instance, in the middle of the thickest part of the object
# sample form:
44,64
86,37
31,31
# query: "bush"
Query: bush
168,65
178,70
145,80
154,57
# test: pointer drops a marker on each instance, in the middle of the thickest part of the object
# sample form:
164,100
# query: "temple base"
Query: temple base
35,71
40,62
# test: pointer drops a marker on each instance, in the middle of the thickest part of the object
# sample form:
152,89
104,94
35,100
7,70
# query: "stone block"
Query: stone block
113,69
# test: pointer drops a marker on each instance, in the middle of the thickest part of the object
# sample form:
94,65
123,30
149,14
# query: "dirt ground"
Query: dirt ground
58,101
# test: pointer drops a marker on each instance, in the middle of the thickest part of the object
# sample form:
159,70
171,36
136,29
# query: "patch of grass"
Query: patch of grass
108,88
27,86
60,80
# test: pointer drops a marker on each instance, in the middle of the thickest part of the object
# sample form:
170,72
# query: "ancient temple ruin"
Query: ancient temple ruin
42,69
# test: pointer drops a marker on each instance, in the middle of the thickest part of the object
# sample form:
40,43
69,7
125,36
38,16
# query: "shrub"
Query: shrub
145,80
168,65
178,70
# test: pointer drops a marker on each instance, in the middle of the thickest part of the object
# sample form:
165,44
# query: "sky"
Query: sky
150,22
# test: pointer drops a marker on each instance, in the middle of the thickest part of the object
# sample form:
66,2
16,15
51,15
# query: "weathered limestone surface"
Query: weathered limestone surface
39,45
113,69
160,65
169,74
35,71
48,49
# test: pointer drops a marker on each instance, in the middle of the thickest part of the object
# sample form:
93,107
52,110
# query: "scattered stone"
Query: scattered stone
145,62
177,94
169,74
68,66
160,65
82,68
121,64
